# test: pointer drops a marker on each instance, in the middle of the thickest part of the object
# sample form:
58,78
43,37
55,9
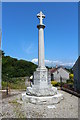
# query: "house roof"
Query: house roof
77,63
55,69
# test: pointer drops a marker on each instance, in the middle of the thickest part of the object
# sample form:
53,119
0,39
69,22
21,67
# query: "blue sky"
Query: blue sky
20,33
0,16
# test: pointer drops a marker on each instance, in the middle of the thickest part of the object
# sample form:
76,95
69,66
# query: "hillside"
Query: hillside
16,68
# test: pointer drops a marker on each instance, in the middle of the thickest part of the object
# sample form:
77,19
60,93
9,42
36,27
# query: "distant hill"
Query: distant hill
16,68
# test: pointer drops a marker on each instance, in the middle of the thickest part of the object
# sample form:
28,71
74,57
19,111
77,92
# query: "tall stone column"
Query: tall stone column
41,92
42,78
41,26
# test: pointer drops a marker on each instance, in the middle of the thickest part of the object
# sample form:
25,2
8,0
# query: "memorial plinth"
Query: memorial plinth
41,92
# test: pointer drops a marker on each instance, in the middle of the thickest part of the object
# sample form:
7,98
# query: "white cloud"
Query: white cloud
52,63
35,60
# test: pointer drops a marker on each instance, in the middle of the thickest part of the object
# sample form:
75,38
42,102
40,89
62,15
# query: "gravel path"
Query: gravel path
13,107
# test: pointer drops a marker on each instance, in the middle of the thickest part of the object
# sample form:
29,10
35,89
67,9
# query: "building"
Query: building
0,69
76,70
59,73
0,60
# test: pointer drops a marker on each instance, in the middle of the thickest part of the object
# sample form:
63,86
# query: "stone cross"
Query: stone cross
41,16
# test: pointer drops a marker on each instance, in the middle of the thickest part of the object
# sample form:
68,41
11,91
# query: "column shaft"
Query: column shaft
41,63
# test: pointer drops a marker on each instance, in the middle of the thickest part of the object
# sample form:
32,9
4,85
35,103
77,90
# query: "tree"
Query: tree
16,68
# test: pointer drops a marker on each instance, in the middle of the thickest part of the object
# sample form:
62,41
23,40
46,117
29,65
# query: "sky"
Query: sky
0,24
20,33
0,15
79,29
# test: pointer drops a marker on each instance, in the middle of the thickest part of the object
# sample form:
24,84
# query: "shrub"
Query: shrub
59,84
71,76
18,85
4,85
54,83
70,81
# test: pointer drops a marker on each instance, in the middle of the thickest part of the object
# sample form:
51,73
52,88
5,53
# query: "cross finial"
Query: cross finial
40,16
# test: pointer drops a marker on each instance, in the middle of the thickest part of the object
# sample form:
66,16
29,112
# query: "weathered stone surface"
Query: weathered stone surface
42,78
42,100
49,91
42,84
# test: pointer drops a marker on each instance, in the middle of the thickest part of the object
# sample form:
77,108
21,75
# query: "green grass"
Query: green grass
17,85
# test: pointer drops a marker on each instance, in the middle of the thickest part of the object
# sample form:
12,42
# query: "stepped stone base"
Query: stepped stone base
42,92
42,100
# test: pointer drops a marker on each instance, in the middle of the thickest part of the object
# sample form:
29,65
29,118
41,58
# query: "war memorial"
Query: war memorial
41,92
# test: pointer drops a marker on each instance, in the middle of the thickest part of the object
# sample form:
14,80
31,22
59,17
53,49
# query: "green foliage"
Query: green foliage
71,76
15,71
16,85
54,83
70,70
4,84
16,68
70,81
